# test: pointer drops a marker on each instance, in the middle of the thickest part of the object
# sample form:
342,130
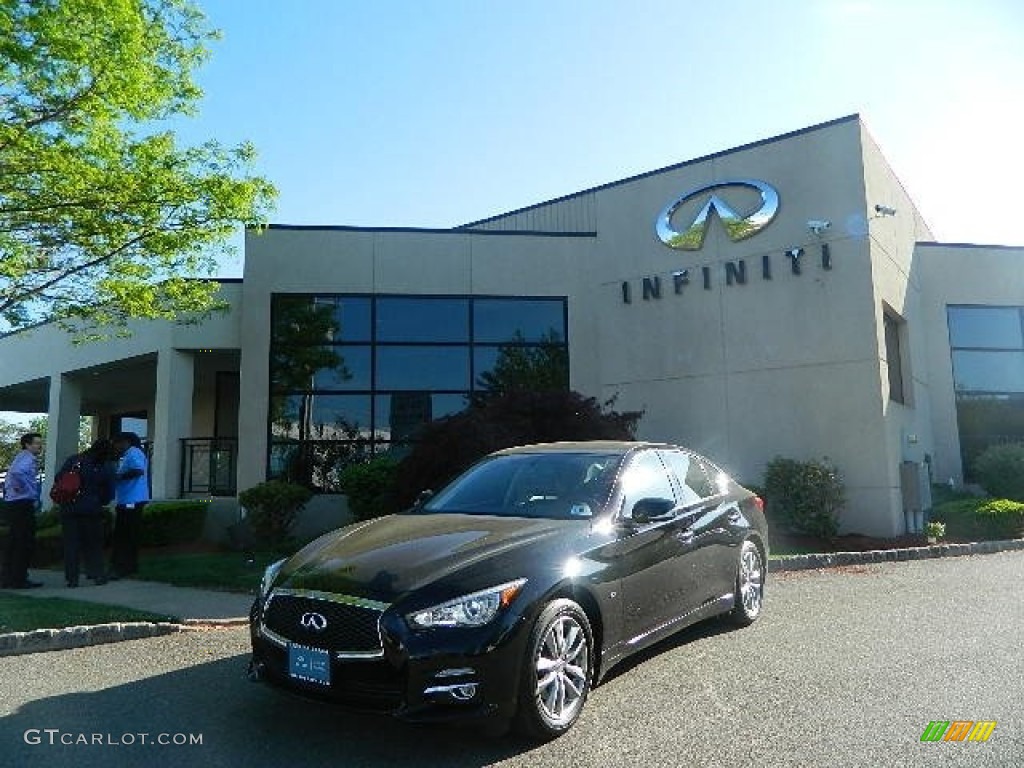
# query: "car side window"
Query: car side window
693,479
645,478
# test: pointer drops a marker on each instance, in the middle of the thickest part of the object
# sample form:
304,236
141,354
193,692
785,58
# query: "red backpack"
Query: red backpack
67,485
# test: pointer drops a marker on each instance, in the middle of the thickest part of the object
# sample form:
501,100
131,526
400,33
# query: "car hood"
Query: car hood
388,557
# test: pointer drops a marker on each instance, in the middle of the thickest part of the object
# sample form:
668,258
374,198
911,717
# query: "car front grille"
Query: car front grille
350,626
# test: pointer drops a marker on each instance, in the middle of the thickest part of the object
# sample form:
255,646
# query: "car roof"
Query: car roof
583,446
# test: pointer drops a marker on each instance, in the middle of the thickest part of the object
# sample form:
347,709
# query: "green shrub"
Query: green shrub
48,519
1000,471
49,546
958,516
366,484
272,508
1001,519
982,519
171,522
804,496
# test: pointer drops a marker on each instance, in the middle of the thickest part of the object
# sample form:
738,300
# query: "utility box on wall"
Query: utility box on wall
915,486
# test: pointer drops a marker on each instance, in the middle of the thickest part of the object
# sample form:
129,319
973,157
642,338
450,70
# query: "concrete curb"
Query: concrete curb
837,559
41,640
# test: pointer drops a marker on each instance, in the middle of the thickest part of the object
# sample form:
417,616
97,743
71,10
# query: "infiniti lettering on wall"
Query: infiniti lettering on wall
691,238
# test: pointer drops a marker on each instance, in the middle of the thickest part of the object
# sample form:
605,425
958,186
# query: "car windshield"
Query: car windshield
561,485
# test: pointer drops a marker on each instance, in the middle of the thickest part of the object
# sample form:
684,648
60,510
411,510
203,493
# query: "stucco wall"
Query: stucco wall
782,366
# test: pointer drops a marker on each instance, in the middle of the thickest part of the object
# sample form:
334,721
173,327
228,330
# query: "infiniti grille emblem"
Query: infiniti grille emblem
313,621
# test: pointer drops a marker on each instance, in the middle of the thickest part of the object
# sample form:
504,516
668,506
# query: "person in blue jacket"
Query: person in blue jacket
132,490
82,518
21,499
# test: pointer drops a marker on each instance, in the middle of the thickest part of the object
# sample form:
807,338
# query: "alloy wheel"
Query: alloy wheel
751,579
563,670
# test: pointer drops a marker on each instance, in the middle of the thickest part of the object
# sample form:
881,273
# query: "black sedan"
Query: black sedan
516,588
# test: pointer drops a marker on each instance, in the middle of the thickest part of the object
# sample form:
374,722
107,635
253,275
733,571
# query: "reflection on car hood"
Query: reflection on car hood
385,558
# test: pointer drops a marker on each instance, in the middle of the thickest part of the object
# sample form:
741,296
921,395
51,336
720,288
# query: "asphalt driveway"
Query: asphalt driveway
846,668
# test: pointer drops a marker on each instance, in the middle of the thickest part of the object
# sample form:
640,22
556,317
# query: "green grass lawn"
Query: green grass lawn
782,550
22,614
227,571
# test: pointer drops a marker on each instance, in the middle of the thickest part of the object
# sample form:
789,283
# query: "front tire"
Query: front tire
749,585
557,673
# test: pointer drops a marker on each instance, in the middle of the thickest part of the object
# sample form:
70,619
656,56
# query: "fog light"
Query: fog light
457,692
464,692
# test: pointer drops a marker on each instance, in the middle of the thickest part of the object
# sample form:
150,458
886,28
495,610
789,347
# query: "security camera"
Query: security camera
817,226
885,210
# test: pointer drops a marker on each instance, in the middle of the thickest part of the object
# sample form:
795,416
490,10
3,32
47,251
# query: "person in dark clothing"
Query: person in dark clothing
82,519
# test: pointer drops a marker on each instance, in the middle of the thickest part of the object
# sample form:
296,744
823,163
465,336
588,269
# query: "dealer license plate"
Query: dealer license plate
311,665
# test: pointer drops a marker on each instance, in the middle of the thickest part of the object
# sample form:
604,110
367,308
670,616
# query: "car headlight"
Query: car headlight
269,575
473,610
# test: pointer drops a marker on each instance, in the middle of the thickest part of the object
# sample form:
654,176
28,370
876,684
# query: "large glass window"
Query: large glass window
400,415
977,371
503,320
894,357
320,417
320,319
354,375
322,367
415,319
423,368
985,328
988,376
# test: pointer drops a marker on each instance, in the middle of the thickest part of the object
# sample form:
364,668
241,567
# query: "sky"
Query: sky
434,113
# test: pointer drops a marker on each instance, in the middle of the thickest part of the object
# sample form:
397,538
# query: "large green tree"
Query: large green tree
104,214
11,432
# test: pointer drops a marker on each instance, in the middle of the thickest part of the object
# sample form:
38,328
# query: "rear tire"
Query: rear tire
557,672
749,586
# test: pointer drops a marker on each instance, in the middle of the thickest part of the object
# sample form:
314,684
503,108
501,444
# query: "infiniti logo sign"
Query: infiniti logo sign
737,227
315,622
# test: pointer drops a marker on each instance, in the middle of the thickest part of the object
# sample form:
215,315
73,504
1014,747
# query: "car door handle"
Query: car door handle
684,536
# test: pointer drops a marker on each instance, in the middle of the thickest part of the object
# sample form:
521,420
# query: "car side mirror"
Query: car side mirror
424,497
652,510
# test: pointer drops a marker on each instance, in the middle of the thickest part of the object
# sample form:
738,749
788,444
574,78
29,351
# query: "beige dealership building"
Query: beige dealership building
783,298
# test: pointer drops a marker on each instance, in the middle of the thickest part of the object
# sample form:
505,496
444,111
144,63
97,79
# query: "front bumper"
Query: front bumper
425,676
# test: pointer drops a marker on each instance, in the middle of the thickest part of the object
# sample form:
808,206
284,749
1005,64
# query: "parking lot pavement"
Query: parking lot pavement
847,667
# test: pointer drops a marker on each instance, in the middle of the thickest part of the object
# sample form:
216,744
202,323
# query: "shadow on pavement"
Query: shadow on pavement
692,634
239,723
253,724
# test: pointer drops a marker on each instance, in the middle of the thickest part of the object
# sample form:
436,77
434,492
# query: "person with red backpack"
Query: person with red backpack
82,514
